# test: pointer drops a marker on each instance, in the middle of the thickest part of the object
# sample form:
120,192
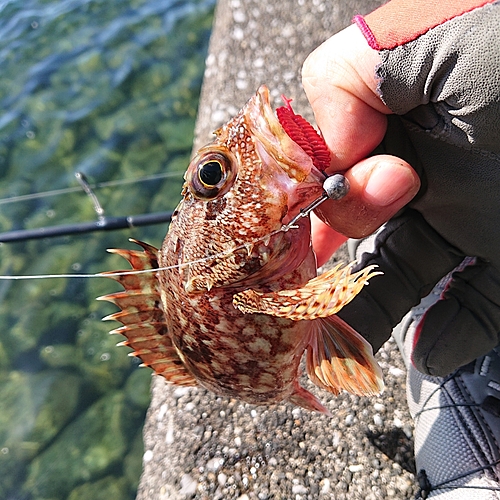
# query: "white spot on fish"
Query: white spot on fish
260,344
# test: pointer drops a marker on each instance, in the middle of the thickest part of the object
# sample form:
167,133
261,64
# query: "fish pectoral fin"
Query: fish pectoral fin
320,297
339,358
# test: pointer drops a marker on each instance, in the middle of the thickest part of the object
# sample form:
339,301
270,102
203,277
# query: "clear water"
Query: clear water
108,88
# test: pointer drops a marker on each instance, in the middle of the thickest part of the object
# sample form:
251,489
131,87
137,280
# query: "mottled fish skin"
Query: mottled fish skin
232,323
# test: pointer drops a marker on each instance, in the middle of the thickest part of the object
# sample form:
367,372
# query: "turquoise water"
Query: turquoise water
108,89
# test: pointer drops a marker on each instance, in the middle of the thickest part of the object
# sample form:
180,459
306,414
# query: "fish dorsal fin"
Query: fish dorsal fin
320,297
143,318
339,358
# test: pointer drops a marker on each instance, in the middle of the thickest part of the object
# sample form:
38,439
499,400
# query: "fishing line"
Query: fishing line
156,269
335,187
78,189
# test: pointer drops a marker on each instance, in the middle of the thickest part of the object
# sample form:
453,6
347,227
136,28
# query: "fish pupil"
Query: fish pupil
211,173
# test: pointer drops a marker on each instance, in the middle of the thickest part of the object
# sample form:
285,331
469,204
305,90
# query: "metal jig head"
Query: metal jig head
335,188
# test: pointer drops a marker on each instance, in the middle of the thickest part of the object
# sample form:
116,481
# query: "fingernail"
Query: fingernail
388,182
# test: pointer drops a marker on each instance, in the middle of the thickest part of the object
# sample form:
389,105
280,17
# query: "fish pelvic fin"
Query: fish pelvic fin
339,358
320,297
305,399
142,316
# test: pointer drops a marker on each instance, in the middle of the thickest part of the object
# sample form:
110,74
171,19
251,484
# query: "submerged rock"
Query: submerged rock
86,450
34,408
108,488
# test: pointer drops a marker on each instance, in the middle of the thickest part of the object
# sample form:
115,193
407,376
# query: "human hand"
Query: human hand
440,86
339,81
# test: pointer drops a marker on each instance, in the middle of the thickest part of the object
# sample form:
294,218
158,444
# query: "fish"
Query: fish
232,301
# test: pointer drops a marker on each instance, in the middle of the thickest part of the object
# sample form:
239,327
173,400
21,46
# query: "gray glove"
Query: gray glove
444,87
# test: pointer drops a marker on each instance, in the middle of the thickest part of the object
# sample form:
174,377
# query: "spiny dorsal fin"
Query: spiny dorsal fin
143,318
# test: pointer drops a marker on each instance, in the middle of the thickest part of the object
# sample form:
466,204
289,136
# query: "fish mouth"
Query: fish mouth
288,138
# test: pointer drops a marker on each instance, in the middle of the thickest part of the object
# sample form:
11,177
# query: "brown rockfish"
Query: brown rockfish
236,300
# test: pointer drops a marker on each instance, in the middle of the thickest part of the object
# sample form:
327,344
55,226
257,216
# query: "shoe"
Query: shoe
457,420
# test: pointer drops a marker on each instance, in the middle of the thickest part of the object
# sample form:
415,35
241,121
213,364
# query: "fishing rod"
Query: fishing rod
335,187
102,224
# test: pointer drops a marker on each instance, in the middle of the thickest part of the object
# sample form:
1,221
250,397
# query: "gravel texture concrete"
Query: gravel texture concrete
201,446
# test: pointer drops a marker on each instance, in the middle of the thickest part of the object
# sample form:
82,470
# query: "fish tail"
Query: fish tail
339,358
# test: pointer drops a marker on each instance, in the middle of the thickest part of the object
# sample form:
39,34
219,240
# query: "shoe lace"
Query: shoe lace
425,486
442,387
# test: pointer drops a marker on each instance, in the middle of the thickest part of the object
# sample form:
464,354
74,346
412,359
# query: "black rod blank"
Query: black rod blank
103,224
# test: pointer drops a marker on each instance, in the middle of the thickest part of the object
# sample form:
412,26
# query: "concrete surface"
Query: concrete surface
201,446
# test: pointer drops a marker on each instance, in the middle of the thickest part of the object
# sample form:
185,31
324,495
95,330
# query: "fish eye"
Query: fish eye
211,175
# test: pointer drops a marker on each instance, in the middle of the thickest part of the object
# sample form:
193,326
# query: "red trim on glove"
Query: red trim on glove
401,21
